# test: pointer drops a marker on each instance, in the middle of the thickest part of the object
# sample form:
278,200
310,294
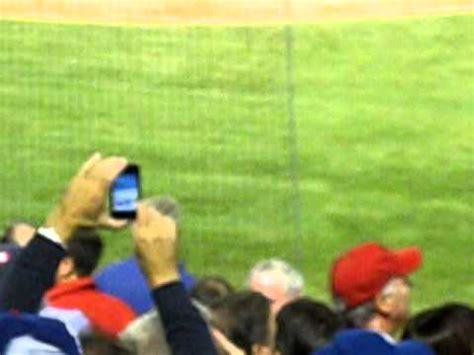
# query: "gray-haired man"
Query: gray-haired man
276,280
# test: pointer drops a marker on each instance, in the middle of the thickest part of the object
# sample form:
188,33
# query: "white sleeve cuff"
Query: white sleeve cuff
51,234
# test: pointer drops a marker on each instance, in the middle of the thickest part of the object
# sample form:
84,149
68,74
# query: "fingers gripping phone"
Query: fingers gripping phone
125,193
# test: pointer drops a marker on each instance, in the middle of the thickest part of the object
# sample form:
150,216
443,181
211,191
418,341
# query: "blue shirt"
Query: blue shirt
125,280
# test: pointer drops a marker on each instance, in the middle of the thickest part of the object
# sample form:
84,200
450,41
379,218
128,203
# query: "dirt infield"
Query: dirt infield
157,12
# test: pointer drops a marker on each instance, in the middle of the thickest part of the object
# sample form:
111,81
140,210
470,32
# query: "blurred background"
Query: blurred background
284,128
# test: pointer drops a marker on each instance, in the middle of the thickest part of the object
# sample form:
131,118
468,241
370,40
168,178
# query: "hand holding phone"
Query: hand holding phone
125,193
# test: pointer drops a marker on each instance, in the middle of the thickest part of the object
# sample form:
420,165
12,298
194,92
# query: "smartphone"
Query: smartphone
125,193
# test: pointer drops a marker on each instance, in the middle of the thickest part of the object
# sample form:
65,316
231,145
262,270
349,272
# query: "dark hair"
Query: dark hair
243,317
303,326
448,329
7,233
85,249
167,206
356,317
210,290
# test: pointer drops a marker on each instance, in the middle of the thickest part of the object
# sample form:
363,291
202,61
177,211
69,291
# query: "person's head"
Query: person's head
277,281
18,233
448,329
167,206
98,344
210,290
84,250
146,335
303,326
370,286
245,319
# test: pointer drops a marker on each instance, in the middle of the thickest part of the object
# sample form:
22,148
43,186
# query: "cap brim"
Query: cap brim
409,260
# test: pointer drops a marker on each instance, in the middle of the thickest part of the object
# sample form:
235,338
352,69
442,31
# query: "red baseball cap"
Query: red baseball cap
361,273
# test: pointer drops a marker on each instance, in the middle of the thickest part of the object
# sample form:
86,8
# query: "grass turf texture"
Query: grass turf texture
385,128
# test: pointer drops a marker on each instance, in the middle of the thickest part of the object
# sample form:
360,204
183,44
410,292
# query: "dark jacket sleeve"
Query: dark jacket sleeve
31,275
186,332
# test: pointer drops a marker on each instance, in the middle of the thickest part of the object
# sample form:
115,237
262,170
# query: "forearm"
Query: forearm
31,275
186,331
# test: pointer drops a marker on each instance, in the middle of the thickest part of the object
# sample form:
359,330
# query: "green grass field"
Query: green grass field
385,135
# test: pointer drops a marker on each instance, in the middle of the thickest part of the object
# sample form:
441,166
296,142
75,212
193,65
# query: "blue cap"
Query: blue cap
365,342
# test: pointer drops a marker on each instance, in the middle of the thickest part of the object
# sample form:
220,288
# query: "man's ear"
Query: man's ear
65,269
384,304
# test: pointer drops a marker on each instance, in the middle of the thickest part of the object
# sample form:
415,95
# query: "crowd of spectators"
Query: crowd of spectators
54,301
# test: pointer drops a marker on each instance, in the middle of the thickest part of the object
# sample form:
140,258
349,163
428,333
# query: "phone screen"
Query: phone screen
124,193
